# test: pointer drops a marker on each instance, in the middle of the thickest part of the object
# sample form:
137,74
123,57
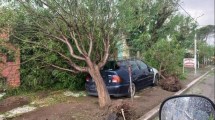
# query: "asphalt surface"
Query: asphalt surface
204,87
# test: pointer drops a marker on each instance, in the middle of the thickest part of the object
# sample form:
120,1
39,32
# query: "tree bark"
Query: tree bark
103,95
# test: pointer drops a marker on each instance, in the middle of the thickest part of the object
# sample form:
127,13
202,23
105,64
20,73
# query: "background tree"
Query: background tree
151,25
143,21
205,51
204,32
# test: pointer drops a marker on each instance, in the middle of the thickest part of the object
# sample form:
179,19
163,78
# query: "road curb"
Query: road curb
152,113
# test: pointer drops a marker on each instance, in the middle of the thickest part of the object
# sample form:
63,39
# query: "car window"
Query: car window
111,65
123,64
133,65
141,64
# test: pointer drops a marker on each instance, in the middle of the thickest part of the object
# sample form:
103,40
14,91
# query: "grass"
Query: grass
51,98
39,98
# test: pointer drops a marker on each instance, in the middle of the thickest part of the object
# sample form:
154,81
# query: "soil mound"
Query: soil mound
120,109
171,83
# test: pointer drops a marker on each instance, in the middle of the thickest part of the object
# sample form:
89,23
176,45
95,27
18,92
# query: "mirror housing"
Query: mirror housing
187,107
150,69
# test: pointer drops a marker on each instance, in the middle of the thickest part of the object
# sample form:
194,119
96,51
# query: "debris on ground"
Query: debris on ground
17,111
2,95
171,84
79,94
121,109
43,102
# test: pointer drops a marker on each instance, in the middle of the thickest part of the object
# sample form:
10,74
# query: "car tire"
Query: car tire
133,90
156,81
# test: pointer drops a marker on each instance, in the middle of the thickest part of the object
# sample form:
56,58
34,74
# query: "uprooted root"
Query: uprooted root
116,110
171,84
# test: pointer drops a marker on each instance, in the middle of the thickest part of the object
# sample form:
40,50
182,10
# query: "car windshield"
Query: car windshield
114,65
111,65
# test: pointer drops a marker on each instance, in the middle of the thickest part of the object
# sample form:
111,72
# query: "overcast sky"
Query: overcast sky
197,8
202,11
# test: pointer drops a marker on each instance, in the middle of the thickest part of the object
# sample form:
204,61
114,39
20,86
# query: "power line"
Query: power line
186,12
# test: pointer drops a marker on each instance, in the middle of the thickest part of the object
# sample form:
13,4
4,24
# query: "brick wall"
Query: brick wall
10,70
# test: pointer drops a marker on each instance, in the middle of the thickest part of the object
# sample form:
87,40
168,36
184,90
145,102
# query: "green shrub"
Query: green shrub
46,78
167,55
3,84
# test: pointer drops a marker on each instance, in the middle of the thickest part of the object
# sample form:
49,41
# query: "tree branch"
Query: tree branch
64,69
81,69
106,53
71,49
72,34
90,46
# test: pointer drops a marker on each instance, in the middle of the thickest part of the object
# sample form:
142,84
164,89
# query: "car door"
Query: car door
147,76
135,73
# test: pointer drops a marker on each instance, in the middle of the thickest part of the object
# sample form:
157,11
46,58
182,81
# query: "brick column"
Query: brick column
11,70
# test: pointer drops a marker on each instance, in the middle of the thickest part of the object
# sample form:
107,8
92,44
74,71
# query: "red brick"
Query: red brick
11,70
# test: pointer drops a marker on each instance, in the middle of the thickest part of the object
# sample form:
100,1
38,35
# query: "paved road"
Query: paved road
205,87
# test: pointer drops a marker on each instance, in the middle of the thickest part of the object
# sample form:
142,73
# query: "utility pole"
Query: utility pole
195,47
195,54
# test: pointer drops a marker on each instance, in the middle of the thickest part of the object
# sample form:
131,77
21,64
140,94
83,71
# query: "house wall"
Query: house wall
123,49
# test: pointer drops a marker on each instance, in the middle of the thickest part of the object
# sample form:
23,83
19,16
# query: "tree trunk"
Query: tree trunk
104,97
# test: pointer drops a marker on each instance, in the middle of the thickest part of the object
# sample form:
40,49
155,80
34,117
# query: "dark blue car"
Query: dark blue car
116,77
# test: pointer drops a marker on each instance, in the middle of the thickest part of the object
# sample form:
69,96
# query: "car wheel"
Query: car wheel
156,81
133,90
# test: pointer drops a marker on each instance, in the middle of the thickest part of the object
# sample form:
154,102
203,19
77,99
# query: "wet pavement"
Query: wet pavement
204,87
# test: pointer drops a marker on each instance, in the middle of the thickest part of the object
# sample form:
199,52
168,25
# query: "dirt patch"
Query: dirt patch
2,90
87,108
71,110
13,102
42,94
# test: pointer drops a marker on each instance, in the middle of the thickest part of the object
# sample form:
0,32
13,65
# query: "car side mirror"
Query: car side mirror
187,107
150,69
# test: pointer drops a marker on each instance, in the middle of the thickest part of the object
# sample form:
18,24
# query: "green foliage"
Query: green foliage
39,52
3,84
158,31
14,91
47,78
144,22
152,27
3,50
203,32
167,56
35,73
9,53
205,51
182,76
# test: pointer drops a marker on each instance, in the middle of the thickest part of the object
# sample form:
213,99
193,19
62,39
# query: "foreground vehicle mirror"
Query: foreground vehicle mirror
187,107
